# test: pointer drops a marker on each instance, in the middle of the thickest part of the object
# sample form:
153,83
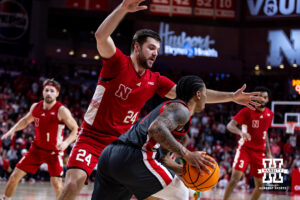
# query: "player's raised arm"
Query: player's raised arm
232,126
105,44
66,116
21,124
174,116
239,97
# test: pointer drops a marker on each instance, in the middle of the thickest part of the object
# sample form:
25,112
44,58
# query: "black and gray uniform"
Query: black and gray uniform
130,165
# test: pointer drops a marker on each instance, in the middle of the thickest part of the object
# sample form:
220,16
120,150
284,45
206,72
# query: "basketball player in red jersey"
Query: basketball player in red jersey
125,84
49,117
254,143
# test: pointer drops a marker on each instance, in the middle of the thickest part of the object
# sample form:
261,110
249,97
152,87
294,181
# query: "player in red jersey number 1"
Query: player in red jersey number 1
254,143
49,117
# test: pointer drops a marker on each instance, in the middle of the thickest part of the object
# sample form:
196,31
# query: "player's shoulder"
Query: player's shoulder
269,111
245,110
59,104
36,105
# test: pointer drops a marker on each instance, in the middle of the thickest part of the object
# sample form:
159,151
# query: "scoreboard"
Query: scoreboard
199,8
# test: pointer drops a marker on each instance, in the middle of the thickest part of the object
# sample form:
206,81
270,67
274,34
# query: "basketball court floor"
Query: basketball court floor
43,191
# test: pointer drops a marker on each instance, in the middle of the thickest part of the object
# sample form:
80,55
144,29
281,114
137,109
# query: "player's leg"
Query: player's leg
106,187
29,163
235,178
81,164
256,164
74,182
57,185
55,169
258,188
13,182
241,161
175,190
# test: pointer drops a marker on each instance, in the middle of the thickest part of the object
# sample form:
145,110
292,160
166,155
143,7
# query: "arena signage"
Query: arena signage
296,84
13,20
281,46
274,7
185,45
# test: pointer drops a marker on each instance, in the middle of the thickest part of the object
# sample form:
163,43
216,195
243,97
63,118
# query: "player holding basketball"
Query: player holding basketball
125,84
253,145
50,118
133,163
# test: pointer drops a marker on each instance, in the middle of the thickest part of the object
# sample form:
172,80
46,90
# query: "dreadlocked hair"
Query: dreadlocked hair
188,86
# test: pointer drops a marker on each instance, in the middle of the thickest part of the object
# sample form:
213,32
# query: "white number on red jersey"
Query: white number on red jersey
241,165
265,135
81,156
131,117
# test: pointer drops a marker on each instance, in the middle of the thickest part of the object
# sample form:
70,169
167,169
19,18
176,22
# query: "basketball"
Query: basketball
200,183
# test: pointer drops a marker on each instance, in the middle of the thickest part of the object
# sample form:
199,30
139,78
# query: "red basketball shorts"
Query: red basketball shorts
32,160
87,150
246,156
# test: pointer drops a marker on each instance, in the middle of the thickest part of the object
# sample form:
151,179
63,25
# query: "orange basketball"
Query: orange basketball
200,183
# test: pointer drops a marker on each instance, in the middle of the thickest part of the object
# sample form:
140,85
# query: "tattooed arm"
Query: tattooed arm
174,116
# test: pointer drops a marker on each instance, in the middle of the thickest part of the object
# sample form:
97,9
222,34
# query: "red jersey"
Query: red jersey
120,95
257,124
48,128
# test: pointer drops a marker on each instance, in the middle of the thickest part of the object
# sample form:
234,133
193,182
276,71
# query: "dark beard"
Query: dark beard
48,101
262,106
142,61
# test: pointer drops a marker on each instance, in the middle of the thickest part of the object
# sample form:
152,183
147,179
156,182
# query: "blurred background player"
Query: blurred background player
254,143
50,118
124,86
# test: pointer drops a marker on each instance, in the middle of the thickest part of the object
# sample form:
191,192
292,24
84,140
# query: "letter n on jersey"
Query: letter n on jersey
255,123
123,92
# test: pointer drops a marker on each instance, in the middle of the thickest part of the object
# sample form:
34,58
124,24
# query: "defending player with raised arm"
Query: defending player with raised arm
125,84
254,143
133,163
49,117
143,58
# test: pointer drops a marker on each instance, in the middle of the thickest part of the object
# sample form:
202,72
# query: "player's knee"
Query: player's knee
72,186
14,178
259,184
75,183
234,179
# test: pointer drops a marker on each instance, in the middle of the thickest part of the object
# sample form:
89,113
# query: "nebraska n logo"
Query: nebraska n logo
123,92
255,123
272,170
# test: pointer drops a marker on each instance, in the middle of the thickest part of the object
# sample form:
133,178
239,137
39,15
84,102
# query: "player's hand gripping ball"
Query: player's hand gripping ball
200,182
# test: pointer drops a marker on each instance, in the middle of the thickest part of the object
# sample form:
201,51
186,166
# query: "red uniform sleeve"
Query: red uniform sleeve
242,116
164,86
111,67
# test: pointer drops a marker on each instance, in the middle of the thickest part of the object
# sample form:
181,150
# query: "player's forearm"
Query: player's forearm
268,149
169,163
214,96
108,26
234,129
163,136
72,137
20,125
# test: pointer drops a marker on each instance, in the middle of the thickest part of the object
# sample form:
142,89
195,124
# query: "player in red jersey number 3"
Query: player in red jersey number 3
254,143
